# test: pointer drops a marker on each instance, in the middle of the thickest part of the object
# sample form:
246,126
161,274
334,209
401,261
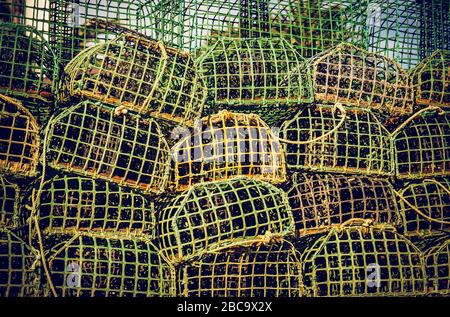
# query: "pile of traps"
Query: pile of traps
224,148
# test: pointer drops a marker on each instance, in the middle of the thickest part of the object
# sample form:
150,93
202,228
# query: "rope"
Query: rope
430,108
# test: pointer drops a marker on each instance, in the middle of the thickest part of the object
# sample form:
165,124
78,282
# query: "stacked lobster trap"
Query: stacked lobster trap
224,148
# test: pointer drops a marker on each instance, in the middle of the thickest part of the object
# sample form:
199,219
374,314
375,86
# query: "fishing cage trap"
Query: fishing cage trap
321,201
94,140
256,270
9,204
430,80
226,145
211,215
349,74
19,139
422,145
437,262
103,266
18,266
425,206
355,259
141,74
337,138
28,68
72,204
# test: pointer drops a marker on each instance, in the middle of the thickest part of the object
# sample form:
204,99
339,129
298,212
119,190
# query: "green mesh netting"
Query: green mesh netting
425,206
9,203
320,201
71,204
354,260
430,80
225,145
259,270
91,266
337,139
437,262
94,140
19,139
18,266
422,145
216,214
139,73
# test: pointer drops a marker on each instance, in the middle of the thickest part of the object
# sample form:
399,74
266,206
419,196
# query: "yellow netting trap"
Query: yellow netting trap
363,260
225,145
95,140
437,262
337,139
138,73
256,270
19,139
212,215
430,80
321,201
9,203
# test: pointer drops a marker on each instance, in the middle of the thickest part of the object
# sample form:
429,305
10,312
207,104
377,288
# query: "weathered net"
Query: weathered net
9,203
437,262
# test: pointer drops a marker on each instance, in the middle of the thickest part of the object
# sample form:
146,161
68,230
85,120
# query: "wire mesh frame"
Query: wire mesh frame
437,262
349,74
253,71
321,201
212,215
71,204
225,145
141,74
310,26
101,266
349,140
430,80
258,270
422,145
9,203
18,266
93,140
19,139
425,206
356,260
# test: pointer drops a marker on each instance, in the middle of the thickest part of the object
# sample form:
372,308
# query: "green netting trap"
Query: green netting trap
18,266
139,73
321,201
358,260
28,68
9,203
310,26
257,270
225,145
437,262
93,266
430,80
425,206
211,215
337,139
349,74
71,204
95,140
422,145
19,139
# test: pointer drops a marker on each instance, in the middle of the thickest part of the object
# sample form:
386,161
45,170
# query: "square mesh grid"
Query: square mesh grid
363,261
18,274
422,145
337,139
90,266
94,140
258,270
19,139
430,80
9,203
425,206
139,73
71,204
320,201
349,74
225,145
216,214
437,261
